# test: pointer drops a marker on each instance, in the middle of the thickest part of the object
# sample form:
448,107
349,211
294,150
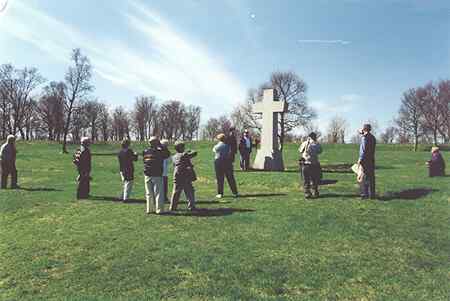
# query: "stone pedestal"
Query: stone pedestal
269,160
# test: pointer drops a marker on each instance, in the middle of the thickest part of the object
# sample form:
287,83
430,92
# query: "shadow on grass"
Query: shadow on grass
115,199
324,182
259,195
409,194
337,168
336,195
209,212
39,189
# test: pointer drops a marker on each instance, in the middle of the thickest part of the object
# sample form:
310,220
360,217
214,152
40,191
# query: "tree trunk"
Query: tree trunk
66,129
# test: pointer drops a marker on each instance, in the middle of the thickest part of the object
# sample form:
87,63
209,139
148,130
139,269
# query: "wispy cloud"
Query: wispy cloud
325,42
173,65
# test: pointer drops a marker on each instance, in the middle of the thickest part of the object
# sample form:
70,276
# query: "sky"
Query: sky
356,56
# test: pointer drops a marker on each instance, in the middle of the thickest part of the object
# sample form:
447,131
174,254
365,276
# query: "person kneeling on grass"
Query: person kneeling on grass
436,165
309,151
183,176
153,171
126,158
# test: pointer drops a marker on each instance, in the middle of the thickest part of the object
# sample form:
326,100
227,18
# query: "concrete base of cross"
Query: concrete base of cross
269,160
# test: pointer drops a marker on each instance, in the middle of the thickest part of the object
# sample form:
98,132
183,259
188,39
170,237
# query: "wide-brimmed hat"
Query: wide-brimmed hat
221,137
367,127
10,138
153,139
434,149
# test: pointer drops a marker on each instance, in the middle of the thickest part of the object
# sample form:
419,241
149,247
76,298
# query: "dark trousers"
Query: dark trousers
178,187
84,187
245,160
166,188
7,170
368,185
225,169
311,177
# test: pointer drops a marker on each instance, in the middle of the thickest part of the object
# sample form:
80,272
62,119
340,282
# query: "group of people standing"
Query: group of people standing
157,158
311,171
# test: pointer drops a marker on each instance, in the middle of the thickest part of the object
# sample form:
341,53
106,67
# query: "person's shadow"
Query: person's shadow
408,194
209,212
38,189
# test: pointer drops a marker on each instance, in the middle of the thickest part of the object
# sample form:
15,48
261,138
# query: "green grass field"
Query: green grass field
270,244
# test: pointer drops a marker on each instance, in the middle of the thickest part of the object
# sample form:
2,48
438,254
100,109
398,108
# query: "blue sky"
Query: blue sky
357,56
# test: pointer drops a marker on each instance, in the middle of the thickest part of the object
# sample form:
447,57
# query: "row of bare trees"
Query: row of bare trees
424,114
67,110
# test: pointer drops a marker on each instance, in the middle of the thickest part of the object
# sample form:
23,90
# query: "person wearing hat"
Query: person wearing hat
367,161
231,140
310,168
8,154
183,176
82,160
223,166
126,158
245,149
154,157
436,166
166,162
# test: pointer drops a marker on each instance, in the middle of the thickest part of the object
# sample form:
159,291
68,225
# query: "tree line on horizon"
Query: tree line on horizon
66,110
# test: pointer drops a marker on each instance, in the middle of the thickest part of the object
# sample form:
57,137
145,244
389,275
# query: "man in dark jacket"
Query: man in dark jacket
126,158
231,140
245,149
367,161
183,176
153,170
8,162
82,160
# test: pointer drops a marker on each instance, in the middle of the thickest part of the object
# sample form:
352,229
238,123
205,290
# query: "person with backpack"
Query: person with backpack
82,160
126,158
310,165
183,176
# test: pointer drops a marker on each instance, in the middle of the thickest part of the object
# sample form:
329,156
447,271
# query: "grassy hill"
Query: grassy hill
270,244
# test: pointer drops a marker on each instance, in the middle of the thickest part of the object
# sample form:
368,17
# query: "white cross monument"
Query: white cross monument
269,156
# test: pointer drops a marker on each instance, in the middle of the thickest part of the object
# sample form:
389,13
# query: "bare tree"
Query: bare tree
120,124
105,122
389,134
431,109
444,105
78,86
92,110
215,126
50,109
192,122
144,116
171,116
409,117
337,129
18,84
242,115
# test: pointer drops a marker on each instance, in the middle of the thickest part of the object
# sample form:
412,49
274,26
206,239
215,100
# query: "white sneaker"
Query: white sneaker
219,196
